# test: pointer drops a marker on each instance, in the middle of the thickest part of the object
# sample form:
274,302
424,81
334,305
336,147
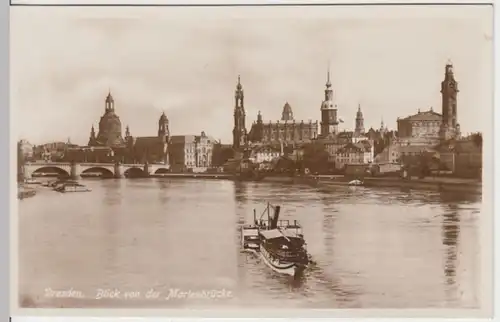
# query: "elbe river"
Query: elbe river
175,243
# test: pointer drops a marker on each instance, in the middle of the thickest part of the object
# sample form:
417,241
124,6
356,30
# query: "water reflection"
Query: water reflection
450,236
373,248
163,193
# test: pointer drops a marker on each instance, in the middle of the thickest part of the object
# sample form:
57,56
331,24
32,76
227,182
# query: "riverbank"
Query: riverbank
170,175
25,192
471,186
431,184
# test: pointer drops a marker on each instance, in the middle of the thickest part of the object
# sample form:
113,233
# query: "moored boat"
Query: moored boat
355,183
279,243
72,187
58,182
31,181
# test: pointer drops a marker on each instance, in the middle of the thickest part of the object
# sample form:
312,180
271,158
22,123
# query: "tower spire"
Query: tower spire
238,86
328,82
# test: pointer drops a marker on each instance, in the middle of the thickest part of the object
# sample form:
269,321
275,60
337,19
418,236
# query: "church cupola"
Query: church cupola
259,118
110,103
127,132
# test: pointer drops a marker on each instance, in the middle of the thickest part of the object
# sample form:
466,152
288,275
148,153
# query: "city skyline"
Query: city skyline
189,67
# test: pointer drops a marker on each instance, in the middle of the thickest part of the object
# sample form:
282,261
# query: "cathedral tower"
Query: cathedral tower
163,128
239,130
449,90
360,122
329,122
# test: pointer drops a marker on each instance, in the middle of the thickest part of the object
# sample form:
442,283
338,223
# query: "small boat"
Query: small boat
55,183
355,183
279,243
72,187
31,181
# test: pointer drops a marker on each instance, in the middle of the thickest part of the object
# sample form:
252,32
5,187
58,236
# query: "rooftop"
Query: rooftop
429,115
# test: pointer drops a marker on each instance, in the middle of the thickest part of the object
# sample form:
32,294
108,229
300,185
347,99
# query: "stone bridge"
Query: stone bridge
75,170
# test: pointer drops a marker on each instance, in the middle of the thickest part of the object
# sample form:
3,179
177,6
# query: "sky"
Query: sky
185,61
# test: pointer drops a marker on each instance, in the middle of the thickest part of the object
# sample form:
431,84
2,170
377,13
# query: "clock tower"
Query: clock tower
449,89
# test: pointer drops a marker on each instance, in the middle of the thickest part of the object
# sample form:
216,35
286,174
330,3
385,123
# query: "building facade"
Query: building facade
191,152
53,151
25,149
354,153
285,130
150,149
423,125
265,154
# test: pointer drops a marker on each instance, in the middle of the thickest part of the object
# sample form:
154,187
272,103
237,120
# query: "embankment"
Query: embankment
431,184
219,176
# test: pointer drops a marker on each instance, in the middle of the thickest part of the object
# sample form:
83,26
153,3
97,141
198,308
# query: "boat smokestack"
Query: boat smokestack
274,220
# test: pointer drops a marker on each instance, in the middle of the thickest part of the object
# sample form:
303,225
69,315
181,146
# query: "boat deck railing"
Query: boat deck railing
281,224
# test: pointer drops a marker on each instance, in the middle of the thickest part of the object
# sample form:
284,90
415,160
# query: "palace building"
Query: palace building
286,130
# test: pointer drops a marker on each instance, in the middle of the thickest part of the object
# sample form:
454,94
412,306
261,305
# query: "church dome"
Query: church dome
110,130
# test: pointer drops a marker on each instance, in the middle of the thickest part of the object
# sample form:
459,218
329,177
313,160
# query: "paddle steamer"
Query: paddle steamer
279,243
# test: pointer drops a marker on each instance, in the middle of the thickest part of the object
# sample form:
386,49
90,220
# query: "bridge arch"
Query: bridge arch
134,172
162,170
101,170
52,169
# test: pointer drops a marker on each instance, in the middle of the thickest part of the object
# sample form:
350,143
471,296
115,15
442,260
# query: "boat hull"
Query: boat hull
286,268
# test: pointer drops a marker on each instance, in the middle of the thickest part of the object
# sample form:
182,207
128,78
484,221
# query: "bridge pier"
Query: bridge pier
27,173
75,171
147,169
119,171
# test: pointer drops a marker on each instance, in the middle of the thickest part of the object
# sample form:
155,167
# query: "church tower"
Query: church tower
329,122
163,128
287,114
127,132
449,90
360,122
92,139
239,130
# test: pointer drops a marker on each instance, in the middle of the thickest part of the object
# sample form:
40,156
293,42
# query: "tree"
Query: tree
315,157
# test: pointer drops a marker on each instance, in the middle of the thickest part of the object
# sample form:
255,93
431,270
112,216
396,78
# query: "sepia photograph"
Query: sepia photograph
275,157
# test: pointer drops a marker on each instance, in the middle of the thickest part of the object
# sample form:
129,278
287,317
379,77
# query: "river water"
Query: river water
150,238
